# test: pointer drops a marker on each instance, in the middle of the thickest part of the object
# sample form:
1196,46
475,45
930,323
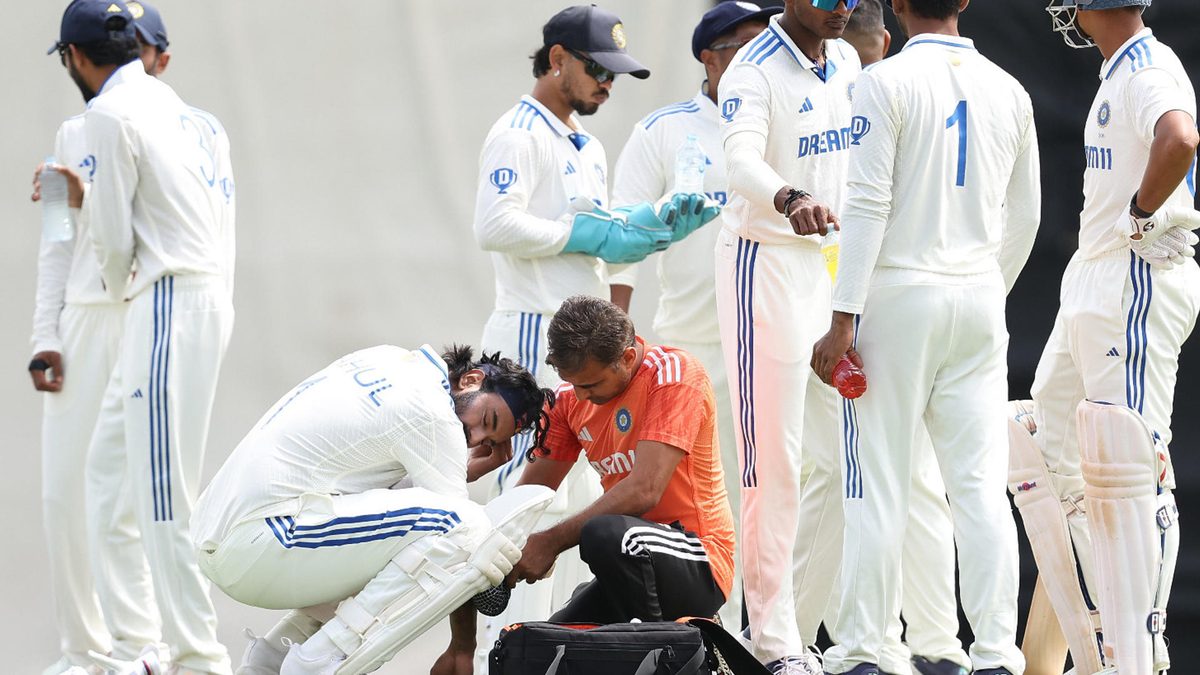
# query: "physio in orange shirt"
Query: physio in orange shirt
660,538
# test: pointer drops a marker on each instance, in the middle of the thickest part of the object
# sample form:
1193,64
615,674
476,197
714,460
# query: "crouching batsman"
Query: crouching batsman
660,539
347,504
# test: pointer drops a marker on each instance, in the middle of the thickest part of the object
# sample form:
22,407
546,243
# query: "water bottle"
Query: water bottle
829,249
689,166
56,218
849,379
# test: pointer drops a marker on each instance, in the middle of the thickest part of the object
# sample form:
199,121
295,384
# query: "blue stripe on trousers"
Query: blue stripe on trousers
384,526
854,483
1136,338
158,400
747,255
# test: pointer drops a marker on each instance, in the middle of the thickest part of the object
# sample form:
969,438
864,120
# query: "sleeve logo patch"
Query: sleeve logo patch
859,127
730,107
503,178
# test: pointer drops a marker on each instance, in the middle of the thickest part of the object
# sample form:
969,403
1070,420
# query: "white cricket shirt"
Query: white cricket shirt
367,421
645,172
162,194
943,172
1143,81
532,166
67,270
774,90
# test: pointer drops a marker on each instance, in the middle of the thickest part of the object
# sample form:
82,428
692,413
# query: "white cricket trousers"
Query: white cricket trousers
151,433
1117,337
934,349
91,336
327,547
521,336
773,303
712,357
768,344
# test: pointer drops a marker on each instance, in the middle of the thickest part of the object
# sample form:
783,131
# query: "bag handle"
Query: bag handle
649,665
559,652
735,655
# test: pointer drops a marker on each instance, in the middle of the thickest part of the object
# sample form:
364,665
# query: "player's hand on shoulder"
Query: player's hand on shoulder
810,216
46,370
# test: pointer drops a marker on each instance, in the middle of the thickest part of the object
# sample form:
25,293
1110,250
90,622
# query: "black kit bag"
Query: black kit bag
686,647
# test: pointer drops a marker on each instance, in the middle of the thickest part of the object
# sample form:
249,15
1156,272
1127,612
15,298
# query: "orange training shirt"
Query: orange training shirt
669,400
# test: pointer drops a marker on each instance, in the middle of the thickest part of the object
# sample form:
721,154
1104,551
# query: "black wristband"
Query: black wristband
1136,210
39,364
793,196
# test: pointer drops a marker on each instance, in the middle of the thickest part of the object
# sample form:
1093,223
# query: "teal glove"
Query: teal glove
624,235
692,211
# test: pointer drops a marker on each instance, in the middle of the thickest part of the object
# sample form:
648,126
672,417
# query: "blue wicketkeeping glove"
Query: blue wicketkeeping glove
692,211
624,235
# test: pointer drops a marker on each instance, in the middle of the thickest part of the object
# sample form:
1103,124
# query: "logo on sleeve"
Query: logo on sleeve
1104,114
624,420
859,127
89,165
730,107
503,178
601,174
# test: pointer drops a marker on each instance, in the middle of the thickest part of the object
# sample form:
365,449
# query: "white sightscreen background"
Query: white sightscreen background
355,130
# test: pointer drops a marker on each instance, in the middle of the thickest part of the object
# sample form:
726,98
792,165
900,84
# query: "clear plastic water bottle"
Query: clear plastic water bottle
830,246
690,161
56,218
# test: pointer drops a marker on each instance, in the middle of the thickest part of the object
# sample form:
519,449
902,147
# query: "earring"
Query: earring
556,73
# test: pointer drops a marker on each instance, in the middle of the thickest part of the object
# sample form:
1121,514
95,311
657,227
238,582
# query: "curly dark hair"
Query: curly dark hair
531,404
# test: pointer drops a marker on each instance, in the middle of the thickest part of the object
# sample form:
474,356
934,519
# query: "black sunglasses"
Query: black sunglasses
596,71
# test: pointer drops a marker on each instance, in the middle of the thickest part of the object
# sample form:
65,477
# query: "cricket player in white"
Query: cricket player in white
350,492
160,210
76,322
645,172
1104,387
785,109
540,210
940,218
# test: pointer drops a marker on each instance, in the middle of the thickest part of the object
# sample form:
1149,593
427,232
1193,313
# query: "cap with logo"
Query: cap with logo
596,32
93,21
723,18
149,24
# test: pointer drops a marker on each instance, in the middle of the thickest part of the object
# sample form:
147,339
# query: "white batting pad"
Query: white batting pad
1133,517
434,576
1050,537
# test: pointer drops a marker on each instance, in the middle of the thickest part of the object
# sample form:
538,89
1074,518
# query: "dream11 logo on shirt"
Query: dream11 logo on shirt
503,178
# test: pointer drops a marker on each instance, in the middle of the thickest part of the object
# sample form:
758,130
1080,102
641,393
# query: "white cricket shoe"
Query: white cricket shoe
261,657
807,663
295,663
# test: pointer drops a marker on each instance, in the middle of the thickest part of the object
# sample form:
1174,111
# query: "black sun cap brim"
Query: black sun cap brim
620,62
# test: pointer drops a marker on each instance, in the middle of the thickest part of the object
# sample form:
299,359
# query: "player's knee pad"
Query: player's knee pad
1044,513
1132,513
432,577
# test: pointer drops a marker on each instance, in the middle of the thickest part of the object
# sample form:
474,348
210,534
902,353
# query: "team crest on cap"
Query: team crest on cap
749,6
618,35
114,9
136,9
1104,114
624,420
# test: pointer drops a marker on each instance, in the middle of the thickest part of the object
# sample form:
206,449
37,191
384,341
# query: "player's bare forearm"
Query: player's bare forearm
621,295
462,628
545,471
1171,156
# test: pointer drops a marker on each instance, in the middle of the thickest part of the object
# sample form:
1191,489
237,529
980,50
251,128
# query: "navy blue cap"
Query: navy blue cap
598,33
723,18
93,21
149,24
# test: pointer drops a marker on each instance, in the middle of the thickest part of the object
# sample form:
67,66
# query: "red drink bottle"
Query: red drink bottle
849,379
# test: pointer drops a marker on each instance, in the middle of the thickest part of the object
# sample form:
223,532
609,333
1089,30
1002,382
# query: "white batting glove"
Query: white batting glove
1148,229
1172,247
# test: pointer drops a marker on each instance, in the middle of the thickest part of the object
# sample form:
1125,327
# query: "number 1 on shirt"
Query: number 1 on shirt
960,118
